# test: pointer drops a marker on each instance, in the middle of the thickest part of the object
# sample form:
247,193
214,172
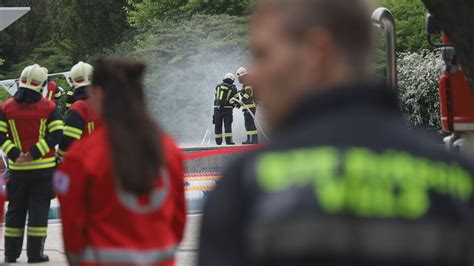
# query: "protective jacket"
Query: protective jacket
80,121
224,93
105,225
343,182
248,96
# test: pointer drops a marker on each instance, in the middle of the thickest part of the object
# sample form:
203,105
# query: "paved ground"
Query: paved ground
187,254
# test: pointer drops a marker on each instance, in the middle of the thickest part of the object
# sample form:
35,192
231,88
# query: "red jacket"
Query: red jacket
80,122
102,226
32,127
83,108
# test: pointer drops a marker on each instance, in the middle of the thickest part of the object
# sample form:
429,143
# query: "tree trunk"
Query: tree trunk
456,19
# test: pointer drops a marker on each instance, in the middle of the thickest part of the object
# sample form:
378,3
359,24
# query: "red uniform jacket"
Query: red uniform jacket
103,225
33,127
84,110
80,122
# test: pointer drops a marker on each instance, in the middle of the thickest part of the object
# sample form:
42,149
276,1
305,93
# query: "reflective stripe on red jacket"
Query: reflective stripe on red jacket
103,225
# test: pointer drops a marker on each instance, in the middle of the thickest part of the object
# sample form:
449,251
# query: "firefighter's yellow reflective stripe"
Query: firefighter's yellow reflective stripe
251,105
43,147
70,93
56,125
45,163
3,127
246,96
50,95
7,146
229,107
228,135
14,232
42,128
91,127
68,105
16,136
61,153
37,231
252,132
36,234
228,95
218,136
72,132
58,94
122,256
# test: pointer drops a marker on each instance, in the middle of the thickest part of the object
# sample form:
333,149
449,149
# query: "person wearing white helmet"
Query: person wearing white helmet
249,108
223,109
80,119
30,128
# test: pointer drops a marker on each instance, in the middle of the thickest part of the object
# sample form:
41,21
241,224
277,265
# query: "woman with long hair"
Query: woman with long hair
121,189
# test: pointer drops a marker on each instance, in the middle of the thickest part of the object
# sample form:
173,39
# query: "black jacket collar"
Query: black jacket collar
24,95
324,103
81,93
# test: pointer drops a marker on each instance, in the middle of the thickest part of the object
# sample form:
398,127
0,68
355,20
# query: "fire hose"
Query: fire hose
239,101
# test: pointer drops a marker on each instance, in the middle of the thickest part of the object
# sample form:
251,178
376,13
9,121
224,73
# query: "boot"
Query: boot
228,141
10,260
35,248
43,258
13,246
254,139
248,141
219,141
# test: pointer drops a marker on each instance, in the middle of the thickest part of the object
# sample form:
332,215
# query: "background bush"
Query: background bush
418,88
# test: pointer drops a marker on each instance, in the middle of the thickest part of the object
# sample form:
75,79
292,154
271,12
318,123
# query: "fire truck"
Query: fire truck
456,96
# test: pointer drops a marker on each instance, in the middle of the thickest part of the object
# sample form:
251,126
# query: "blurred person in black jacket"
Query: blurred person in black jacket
344,181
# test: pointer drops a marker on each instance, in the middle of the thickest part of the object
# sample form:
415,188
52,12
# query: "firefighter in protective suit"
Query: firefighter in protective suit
30,128
80,120
54,91
249,108
223,109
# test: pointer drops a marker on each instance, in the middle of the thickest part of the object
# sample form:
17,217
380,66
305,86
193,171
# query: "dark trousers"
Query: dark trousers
223,118
250,122
252,134
29,192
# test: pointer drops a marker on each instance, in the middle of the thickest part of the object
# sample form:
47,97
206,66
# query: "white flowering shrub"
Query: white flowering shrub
418,83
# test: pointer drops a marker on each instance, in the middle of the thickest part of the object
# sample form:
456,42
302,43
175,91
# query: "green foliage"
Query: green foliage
51,54
418,75
93,25
143,13
58,33
4,95
230,7
410,21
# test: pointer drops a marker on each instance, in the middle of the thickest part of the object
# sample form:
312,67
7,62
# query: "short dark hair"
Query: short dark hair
349,22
